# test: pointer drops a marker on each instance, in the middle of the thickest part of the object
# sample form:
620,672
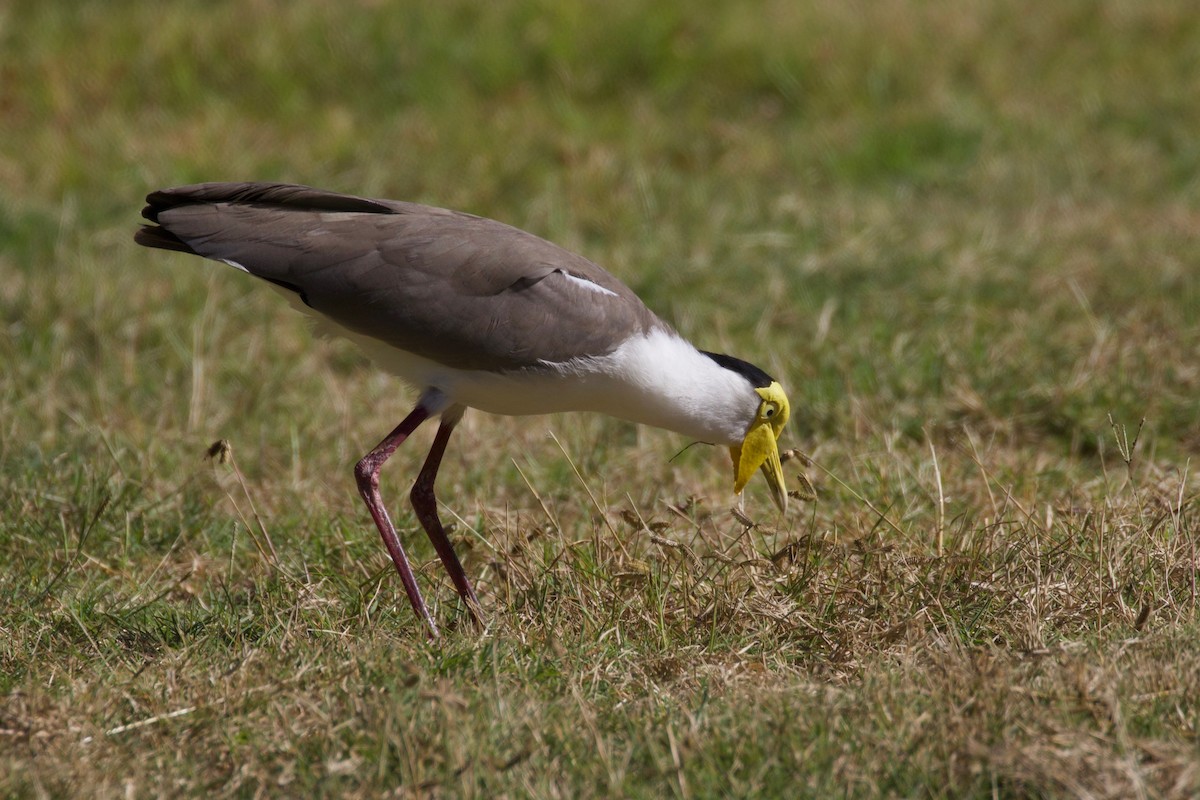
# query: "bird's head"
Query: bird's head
759,448
763,410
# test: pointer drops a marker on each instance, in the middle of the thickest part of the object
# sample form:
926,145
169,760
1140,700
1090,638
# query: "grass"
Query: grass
962,234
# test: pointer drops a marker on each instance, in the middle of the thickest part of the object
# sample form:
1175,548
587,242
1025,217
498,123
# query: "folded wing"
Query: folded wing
462,290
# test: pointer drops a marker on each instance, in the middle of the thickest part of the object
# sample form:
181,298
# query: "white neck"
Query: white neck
662,380
659,379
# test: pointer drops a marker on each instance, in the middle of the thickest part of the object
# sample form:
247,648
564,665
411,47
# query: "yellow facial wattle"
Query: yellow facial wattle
760,447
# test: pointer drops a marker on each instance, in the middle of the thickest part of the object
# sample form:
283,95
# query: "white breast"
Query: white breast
658,379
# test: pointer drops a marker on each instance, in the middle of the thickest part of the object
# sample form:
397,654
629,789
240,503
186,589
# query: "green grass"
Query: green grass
962,234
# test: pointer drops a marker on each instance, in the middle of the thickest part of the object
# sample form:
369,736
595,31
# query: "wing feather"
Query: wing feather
462,290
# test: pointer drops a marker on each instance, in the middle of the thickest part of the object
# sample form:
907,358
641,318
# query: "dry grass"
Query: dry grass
963,234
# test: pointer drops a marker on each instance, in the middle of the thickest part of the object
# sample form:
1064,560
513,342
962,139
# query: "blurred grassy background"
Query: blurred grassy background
964,235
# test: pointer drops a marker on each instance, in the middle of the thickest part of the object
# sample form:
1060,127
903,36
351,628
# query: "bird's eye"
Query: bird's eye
769,411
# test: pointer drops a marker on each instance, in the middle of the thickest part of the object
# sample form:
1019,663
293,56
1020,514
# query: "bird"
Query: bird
473,314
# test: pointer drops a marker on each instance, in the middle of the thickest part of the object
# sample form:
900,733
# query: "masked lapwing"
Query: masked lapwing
472,313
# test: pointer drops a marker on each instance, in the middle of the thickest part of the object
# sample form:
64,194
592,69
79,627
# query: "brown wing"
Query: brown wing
462,290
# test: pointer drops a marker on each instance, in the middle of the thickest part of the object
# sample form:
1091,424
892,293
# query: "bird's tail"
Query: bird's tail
156,236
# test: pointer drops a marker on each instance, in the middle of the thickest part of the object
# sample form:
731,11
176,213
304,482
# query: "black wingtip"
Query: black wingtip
154,236
284,195
151,209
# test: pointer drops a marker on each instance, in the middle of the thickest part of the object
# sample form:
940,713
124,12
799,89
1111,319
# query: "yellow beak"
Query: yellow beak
759,450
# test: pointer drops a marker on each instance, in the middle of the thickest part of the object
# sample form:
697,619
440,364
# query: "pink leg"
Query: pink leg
366,473
425,504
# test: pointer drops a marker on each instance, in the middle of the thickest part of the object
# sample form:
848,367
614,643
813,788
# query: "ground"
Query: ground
963,234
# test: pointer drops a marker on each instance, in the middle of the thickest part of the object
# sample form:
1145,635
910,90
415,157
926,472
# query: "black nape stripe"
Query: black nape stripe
756,376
